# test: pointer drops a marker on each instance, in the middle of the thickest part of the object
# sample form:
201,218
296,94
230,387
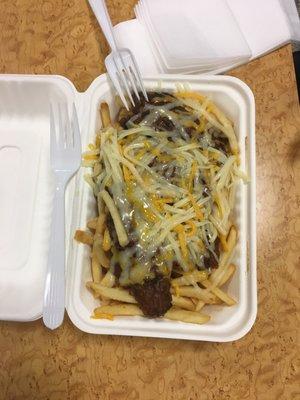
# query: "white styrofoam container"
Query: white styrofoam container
26,200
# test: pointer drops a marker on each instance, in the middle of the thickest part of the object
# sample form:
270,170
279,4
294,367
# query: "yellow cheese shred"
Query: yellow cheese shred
198,212
140,154
202,125
127,174
103,316
193,229
201,245
182,240
155,152
190,95
160,202
90,156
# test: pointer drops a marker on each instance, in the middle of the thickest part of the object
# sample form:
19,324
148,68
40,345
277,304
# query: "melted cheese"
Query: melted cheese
156,182
196,207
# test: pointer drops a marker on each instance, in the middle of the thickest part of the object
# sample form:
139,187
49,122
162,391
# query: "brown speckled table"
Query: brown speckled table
62,37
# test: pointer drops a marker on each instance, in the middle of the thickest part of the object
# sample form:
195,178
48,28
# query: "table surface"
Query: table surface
62,37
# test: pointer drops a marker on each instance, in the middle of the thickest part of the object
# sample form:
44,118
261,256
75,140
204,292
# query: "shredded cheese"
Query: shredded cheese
198,212
169,189
193,229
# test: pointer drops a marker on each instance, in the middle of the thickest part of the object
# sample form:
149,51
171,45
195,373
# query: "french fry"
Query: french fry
105,115
186,316
95,295
122,309
104,300
100,223
83,237
96,270
100,204
187,279
108,280
180,302
227,274
106,240
183,302
130,310
199,305
120,230
99,253
113,293
223,242
117,126
92,223
219,293
198,293
217,275
102,315
96,169
231,242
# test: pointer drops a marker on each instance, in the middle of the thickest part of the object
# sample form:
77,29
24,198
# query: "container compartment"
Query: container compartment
227,323
25,190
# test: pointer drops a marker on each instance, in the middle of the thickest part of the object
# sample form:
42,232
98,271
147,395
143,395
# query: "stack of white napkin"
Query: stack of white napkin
206,36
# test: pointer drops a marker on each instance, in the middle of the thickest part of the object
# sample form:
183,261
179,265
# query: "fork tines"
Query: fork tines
124,73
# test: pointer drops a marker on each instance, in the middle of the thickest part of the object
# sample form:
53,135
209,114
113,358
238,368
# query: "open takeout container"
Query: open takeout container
26,204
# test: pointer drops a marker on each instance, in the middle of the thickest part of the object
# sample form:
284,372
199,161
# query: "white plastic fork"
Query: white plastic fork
65,157
121,65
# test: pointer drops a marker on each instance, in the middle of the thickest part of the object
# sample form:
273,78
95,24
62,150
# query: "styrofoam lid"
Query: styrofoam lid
26,191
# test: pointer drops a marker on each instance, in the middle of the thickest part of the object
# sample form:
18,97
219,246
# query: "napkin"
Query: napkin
225,35
192,32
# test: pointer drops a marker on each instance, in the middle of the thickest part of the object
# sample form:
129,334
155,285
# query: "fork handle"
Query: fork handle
54,295
100,10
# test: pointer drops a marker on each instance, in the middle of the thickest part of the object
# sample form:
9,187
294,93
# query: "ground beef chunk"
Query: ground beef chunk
210,262
160,98
190,130
220,140
131,243
155,99
171,173
153,162
218,247
175,274
179,109
141,117
112,232
117,270
158,103
138,103
152,95
153,296
163,124
123,120
221,143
